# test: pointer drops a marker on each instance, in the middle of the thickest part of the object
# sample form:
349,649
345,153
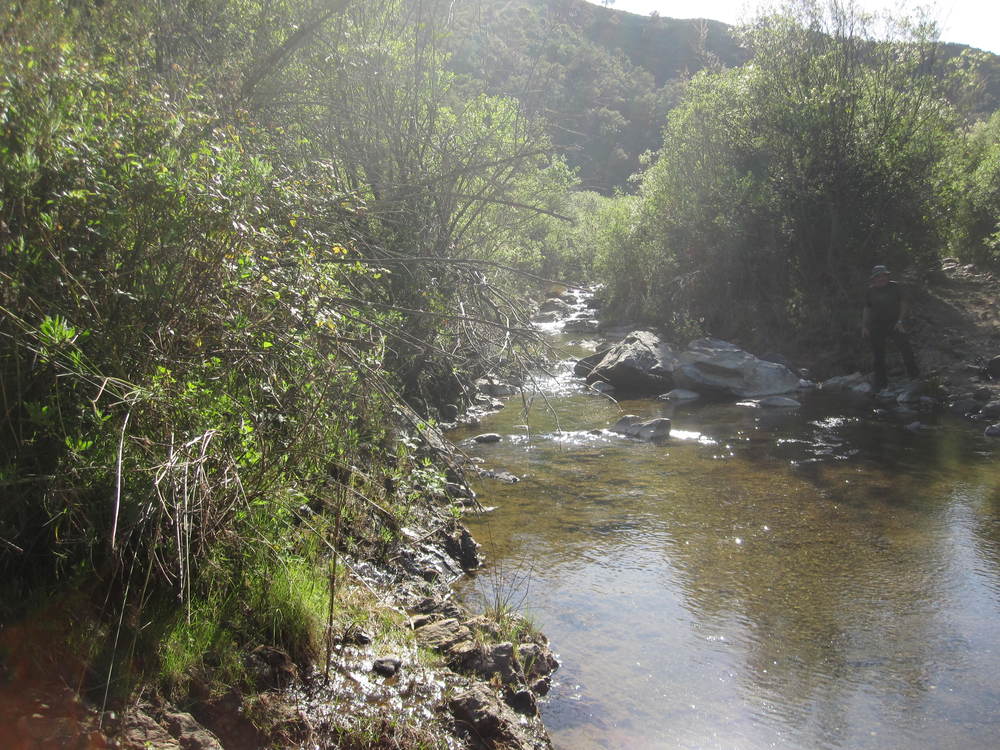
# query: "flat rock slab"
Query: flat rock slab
721,367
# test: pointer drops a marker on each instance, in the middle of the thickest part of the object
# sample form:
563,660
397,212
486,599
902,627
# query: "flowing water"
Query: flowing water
819,578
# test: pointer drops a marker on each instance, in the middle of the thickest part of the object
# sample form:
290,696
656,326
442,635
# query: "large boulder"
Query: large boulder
641,363
723,368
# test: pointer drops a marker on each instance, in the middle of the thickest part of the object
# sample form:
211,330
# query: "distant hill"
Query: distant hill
605,79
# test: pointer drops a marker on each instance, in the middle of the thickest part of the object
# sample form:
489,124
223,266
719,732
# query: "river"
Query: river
826,577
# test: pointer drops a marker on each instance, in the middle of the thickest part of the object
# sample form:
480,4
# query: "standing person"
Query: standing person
885,310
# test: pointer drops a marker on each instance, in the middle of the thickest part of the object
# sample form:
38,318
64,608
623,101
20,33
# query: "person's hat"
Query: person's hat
879,271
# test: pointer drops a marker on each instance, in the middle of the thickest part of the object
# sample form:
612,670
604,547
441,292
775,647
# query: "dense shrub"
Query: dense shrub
780,183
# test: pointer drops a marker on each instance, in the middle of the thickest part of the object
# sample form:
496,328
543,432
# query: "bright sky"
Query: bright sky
972,22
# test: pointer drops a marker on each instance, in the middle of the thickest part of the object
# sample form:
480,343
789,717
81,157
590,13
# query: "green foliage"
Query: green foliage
226,271
782,182
976,181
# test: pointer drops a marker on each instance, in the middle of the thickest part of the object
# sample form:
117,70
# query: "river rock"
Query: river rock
601,387
140,731
495,388
580,325
993,368
546,317
779,402
991,409
271,668
189,733
487,437
633,426
679,394
640,363
855,383
443,634
555,305
963,406
490,721
722,367
586,365
993,430
387,666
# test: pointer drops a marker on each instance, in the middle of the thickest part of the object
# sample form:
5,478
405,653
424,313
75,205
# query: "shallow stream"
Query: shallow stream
825,577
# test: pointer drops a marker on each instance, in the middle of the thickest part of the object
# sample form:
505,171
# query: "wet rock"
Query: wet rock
983,394
633,426
496,660
640,363
680,394
993,430
501,476
488,437
189,733
963,406
355,636
555,305
541,686
494,388
271,668
521,700
910,393
993,368
139,732
418,621
536,661
991,410
463,548
479,710
779,402
580,325
721,367
778,359
443,634
387,666
844,382
585,366
546,317
601,387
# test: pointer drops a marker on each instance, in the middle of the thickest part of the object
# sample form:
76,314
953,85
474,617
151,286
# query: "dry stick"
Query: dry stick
118,479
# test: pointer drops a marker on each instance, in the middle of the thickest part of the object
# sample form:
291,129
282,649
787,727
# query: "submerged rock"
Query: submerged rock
488,437
721,367
779,402
633,426
993,430
680,394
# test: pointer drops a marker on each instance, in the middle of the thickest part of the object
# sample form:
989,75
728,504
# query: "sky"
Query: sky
972,22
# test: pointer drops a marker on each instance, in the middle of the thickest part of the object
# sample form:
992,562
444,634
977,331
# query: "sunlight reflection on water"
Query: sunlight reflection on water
833,583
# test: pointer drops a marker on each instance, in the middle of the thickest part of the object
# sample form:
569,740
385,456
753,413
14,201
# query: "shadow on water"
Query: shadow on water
819,578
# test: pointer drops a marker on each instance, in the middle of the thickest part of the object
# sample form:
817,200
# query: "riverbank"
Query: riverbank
405,666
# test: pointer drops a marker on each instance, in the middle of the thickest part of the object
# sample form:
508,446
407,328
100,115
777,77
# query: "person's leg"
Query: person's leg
902,342
877,340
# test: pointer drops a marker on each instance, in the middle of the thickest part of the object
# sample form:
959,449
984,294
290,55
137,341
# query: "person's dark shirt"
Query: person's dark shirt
884,305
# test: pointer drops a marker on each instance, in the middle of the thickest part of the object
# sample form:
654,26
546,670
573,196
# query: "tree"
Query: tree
779,183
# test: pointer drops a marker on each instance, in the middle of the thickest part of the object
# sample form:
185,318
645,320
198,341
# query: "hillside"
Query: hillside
605,79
